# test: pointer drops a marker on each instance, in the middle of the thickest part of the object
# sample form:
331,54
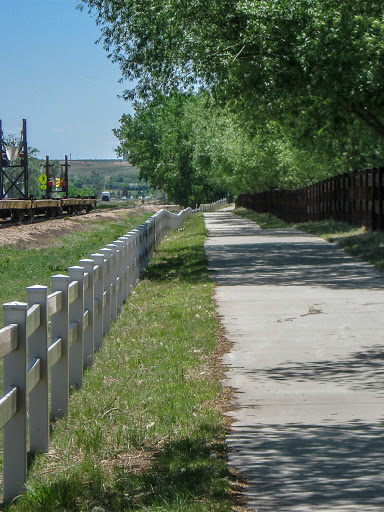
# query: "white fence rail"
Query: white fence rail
81,307
210,206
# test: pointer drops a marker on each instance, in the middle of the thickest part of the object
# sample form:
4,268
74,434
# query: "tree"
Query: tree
160,140
97,183
331,52
296,85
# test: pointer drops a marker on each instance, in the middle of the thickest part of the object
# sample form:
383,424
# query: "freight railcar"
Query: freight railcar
25,210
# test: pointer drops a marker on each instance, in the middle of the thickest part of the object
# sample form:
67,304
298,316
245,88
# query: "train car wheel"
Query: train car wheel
18,216
30,216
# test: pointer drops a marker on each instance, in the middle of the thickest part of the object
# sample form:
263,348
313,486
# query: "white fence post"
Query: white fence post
148,225
146,244
114,264
135,234
107,253
120,273
113,278
109,288
138,232
76,317
125,267
15,431
60,371
98,324
153,235
130,262
156,229
39,396
89,305
137,254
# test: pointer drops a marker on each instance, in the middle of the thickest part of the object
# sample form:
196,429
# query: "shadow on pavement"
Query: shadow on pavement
308,432
359,370
298,263
314,467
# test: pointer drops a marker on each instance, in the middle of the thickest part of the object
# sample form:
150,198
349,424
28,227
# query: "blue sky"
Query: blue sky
53,75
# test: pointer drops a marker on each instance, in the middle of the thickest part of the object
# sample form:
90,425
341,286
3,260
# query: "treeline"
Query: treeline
120,184
87,184
237,96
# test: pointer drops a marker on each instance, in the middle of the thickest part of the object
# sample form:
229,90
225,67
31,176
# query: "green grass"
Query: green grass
117,203
366,245
264,220
21,267
144,432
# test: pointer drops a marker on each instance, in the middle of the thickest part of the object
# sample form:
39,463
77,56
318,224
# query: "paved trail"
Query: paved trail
307,325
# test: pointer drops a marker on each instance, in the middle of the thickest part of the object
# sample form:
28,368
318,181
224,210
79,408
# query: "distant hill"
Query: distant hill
107,168
117,176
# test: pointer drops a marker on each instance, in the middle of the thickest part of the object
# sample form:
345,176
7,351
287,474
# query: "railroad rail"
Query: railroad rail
25,210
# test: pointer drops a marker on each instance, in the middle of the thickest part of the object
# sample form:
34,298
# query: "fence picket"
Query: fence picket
124,269
15,431
98,322
107,253
38,398
113,278
76,315
60,329
89,304
120,273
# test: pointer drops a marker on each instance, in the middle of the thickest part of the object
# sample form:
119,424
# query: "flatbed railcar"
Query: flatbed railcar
25,210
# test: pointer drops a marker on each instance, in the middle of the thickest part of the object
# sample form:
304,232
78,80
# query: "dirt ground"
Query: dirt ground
44,233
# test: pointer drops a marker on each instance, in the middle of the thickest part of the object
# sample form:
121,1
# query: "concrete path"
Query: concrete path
307,327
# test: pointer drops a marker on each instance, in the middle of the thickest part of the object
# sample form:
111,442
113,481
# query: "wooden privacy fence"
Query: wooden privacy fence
356,198
80,308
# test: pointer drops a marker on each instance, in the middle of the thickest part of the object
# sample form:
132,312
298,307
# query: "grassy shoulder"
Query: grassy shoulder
144,433
21,266
367,245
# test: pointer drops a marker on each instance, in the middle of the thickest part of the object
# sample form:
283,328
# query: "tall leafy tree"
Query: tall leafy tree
160,140
297,84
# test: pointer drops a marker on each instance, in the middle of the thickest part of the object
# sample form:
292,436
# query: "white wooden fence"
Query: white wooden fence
80,307
208,207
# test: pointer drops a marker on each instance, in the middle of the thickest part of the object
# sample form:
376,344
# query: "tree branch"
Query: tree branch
373,123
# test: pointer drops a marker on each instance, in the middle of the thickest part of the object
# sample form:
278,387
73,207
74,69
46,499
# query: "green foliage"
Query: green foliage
160,139
91,177
90,185
198,150
295,88
35,169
